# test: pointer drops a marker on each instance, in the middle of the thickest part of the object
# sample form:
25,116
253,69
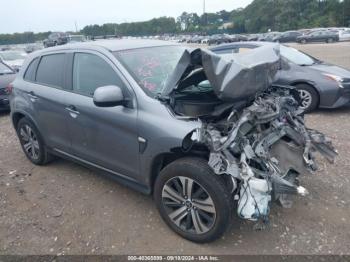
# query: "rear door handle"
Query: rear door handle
32,96
72,110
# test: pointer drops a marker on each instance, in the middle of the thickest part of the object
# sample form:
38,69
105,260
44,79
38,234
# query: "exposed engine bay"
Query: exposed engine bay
264,148
255,132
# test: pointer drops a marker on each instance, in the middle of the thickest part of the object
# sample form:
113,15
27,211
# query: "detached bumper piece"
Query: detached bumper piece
264,148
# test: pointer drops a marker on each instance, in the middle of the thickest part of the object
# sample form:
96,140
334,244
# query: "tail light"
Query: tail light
9,88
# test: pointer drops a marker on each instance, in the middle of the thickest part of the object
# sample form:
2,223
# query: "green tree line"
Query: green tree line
259,16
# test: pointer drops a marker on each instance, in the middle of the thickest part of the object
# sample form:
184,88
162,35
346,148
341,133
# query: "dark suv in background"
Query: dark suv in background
57,38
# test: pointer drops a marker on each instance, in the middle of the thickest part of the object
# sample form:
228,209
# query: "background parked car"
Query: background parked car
76,38
289,36
319,36
195,39
238,38
253,37
320,84
219,39
344,35
7,75
13,58
205,40
57,38
32,47
268,37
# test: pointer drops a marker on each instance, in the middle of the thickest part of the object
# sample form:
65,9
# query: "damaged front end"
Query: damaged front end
264,148
254,131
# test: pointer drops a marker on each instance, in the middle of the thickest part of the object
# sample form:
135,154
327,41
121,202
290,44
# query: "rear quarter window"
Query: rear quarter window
50,70
31,70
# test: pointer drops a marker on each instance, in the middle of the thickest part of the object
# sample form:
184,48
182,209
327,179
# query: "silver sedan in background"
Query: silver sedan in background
320,84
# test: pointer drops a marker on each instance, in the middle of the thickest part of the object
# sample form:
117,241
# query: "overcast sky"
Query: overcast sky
60,15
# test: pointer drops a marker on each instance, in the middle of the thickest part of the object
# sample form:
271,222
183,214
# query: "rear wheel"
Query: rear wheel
303,41
192,200
32,143
309,97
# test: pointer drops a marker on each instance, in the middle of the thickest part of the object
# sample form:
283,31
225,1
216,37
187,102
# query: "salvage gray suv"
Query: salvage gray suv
197,131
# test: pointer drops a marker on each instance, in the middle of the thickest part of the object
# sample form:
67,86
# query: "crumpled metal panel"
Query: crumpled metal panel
248,74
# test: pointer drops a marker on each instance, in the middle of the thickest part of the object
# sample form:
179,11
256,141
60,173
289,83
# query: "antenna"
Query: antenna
76,26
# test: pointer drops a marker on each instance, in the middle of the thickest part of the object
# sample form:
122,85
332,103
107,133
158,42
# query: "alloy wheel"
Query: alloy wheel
306,99
188,205
30,142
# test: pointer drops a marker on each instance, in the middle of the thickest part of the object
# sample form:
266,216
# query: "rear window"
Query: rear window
30,73
50,70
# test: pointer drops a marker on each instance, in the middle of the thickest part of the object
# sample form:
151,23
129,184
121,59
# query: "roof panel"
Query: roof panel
116,44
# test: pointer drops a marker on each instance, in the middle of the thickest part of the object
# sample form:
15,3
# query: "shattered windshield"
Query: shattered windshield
152,66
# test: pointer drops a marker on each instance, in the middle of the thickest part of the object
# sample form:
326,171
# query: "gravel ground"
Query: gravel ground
64,208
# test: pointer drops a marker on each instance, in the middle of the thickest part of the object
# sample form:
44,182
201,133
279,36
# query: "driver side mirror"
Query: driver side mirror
109,96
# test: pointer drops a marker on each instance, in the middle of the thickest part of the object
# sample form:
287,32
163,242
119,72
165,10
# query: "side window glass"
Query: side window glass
31,70
50,70
90,72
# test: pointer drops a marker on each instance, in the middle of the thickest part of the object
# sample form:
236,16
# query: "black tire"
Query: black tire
314,96
41,156
198,170
330,40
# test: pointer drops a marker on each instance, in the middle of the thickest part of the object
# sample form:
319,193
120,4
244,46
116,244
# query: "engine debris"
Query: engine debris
264,147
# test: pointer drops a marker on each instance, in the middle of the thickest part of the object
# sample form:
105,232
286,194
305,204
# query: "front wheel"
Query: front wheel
309,97
192,200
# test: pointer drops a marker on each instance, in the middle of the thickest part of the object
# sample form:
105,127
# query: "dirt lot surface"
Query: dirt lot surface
64,208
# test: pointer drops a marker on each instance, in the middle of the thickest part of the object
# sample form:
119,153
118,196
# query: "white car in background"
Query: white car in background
205,40
344,35
13,58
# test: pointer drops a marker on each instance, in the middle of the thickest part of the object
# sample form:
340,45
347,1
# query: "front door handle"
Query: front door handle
72,110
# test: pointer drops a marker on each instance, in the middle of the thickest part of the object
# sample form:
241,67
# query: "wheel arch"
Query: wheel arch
164,159
18,115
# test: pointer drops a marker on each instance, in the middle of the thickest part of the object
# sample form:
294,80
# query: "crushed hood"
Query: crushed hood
244,76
